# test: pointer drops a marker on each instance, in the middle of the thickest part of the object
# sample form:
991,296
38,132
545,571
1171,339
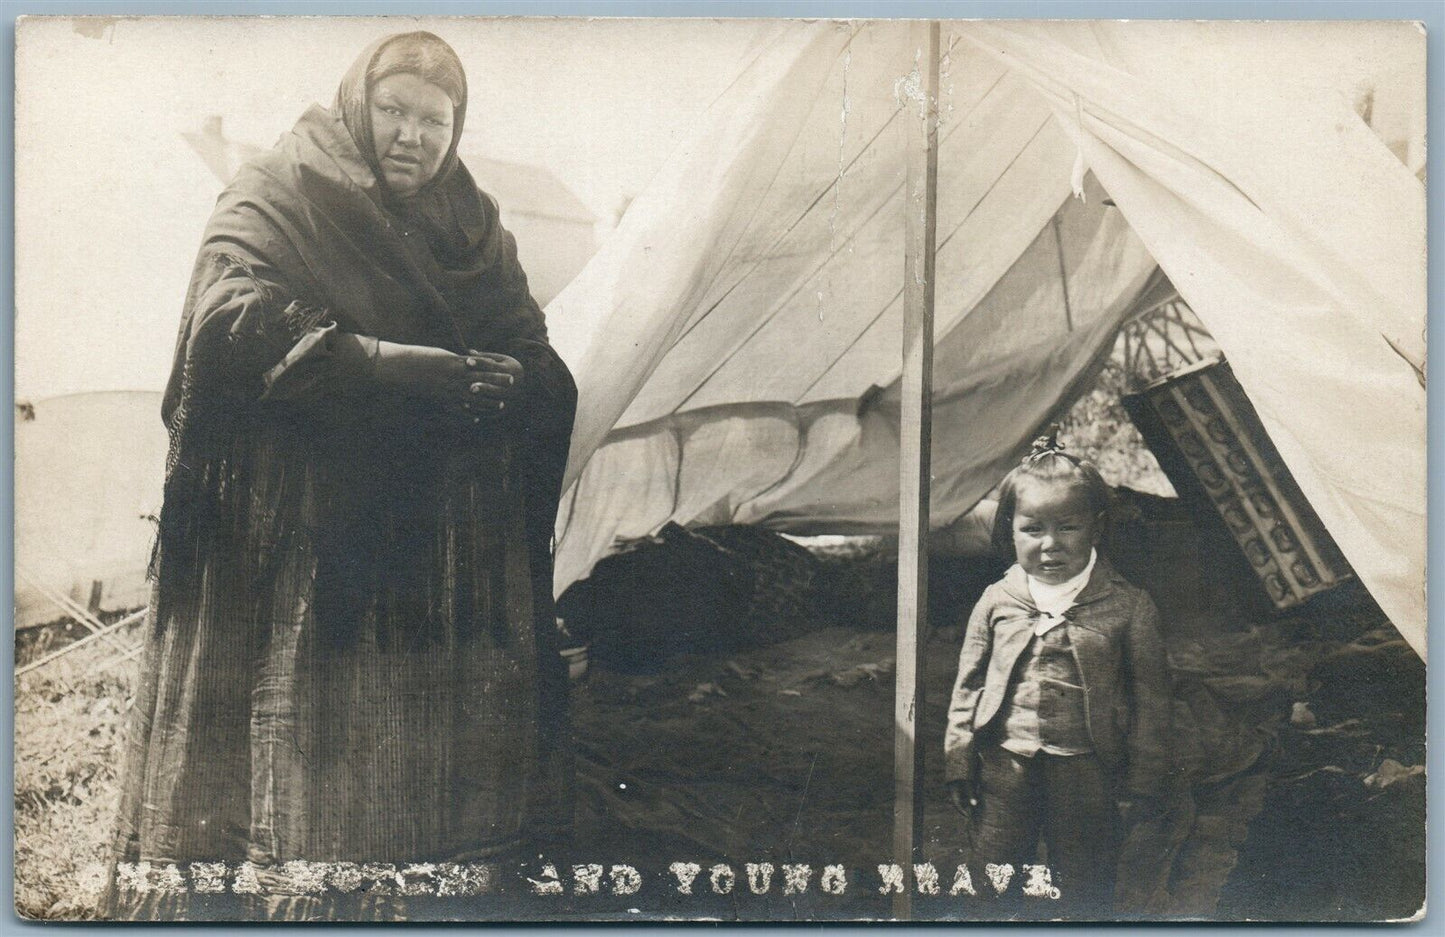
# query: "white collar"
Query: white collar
1053,599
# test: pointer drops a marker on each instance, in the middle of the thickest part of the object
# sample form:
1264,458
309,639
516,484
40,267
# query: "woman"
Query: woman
352,653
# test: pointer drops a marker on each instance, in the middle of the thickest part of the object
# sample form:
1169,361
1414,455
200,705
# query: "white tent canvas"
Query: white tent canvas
88,471
737,341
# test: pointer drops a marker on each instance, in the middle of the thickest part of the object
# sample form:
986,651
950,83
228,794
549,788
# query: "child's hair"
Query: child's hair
1047,461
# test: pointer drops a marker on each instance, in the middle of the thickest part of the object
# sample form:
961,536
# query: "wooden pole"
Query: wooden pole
915,437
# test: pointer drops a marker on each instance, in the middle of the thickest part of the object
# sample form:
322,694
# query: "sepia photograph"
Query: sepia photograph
546,469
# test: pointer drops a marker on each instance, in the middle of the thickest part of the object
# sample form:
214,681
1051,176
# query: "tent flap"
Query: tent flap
737,342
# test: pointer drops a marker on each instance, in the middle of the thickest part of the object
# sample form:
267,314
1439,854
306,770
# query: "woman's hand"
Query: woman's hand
471,385
495,376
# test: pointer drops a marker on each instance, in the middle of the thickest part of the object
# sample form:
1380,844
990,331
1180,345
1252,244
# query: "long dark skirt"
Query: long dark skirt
370,684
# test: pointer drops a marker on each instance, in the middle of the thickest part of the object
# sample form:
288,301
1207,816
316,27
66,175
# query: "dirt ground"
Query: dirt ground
783,755
1302,740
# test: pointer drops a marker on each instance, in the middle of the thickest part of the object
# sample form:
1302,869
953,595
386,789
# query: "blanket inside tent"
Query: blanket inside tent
736,342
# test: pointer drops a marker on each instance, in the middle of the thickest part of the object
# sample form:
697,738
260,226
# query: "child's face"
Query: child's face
1054,530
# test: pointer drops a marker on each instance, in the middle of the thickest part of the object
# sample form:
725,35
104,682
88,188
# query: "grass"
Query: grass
69,739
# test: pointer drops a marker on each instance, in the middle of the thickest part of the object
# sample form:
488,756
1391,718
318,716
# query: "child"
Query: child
1062,704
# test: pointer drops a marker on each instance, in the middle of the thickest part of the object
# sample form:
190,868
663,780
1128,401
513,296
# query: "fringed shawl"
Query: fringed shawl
304,241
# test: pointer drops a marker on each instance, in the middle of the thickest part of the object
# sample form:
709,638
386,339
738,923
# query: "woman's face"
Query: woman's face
411,129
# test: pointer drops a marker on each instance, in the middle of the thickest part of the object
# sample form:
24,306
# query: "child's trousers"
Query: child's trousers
1066,799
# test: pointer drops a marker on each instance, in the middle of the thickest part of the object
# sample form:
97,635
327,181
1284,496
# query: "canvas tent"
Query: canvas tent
88,471
737,340
555,232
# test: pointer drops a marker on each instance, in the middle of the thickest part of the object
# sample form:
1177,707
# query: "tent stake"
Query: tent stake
915,437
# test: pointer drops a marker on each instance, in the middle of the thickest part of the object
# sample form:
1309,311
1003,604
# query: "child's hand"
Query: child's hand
962,795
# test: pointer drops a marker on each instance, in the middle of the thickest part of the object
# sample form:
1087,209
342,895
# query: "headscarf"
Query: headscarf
455,221
419,53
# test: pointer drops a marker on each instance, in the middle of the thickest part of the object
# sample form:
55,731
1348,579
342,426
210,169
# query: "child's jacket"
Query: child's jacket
1114,632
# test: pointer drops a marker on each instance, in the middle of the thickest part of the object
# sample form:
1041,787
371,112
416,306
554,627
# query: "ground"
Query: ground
69,725
783,754
1307,802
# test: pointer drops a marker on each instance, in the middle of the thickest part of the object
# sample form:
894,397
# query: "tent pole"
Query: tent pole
915,436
